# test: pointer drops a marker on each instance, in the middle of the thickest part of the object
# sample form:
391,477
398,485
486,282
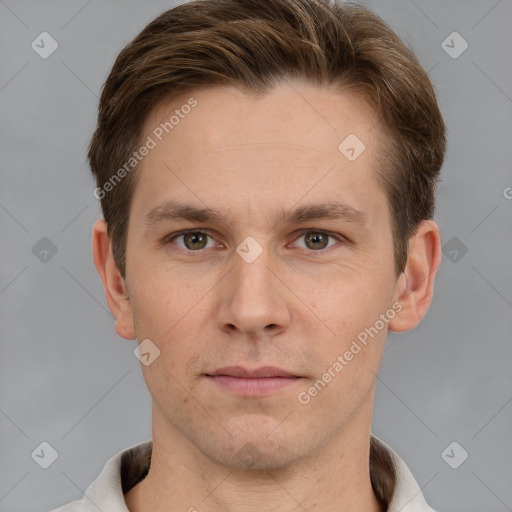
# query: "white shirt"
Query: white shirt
392,481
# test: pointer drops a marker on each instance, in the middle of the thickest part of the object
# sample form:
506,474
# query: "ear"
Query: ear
116,291
415,286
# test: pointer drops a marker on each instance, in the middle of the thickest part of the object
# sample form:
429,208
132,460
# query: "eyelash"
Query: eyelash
200,252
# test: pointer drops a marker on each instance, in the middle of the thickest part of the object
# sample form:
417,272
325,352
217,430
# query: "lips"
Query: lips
259,382
258,373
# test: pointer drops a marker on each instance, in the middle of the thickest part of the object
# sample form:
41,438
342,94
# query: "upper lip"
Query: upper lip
264,371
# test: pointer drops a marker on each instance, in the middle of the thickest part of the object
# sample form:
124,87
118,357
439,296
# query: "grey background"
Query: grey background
67,379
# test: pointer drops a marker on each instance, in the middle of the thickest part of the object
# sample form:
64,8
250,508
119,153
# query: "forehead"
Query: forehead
304,116
298,140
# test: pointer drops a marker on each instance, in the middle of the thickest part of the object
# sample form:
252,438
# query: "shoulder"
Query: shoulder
120,474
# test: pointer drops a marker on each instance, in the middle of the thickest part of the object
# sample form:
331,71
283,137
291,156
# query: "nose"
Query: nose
253,299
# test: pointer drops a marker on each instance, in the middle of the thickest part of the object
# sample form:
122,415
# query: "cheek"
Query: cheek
351,308
173,314
347,301
168,376
349,359
160,301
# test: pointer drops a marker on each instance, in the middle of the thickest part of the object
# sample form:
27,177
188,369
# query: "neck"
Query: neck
336,477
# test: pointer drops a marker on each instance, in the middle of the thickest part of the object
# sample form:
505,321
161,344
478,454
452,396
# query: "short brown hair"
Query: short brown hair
252,44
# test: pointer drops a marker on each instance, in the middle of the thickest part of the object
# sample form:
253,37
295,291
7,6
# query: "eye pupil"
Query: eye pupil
316,238
192,239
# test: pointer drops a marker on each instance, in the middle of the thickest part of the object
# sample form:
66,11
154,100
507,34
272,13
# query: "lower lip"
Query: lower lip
253,387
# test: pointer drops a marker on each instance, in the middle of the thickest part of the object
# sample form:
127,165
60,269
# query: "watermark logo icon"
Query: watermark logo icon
454,45
44,45
146,352
454,455
454,249
44,250
351,147
249,455
44,455
249,249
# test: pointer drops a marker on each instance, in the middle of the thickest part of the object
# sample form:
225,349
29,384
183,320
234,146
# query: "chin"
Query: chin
261,449
257,457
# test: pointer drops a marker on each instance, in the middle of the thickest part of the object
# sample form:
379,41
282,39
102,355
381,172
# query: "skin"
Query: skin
298,306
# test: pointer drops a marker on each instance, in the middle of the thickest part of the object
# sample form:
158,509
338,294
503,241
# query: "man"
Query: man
266,172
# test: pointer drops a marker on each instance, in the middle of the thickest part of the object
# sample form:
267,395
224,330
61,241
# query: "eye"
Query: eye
191,240
317,240
195,241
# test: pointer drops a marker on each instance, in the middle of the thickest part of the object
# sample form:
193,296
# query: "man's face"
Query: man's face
297,305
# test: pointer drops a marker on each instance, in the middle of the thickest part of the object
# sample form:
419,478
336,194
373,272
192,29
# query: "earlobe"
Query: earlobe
122,332
415,285
116,292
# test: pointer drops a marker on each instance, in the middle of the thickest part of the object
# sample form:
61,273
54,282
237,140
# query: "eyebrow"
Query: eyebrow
174,210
